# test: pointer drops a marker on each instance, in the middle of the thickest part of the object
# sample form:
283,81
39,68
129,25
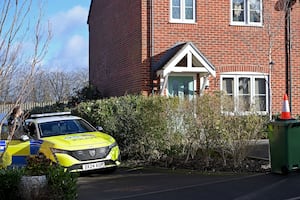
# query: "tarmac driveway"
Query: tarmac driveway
166,184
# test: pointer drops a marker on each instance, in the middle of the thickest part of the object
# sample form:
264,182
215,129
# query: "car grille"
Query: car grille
91,154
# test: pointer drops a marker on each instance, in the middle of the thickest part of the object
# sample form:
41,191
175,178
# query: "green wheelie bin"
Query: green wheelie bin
284,142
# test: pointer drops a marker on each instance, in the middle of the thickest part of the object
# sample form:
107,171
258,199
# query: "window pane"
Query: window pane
255,11
176,13
182,62
254,16
260,94
244,103
260,103
176,3
238,4
188,3
175,91
244,86
188,13
186,88
228,100
189,8
254,4
176,9
228,85
260,86
244,94
238,10
228,103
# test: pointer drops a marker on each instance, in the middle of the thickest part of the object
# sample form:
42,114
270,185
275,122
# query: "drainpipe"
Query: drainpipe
290,57
288,46
151,38
286,6
271,63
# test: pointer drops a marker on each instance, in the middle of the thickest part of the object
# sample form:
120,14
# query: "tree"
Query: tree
41,89
57,85
23,45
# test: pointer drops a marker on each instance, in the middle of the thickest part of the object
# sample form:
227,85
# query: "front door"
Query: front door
181,86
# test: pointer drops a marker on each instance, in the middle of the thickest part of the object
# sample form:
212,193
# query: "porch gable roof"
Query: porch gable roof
195,61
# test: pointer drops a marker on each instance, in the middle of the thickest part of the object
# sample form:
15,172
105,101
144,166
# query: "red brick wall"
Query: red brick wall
120,44
235,48
115,47
295,63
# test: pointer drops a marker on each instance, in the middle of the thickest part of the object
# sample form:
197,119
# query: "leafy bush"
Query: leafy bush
37,165
10,179
239,132
168,130
137,123
85,94
62,184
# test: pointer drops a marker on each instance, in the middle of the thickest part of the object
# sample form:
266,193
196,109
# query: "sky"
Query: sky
68,48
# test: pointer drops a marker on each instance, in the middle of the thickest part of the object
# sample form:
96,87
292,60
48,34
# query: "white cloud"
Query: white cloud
69,45
69,21
74,54
75,46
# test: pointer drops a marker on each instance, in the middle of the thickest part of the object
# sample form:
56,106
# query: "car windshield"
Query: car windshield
64,127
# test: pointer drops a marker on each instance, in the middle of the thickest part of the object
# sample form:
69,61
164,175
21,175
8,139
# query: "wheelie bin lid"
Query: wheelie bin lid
284,122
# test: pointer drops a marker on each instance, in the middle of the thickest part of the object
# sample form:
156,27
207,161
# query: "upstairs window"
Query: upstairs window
246,12
182,11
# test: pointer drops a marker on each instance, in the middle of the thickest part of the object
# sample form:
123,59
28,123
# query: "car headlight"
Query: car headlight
113,145
59,151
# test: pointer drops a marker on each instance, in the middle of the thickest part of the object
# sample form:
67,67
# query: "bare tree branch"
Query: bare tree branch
19,63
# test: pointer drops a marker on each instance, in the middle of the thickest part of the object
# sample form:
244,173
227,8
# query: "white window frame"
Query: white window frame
247,15
182,13
252,76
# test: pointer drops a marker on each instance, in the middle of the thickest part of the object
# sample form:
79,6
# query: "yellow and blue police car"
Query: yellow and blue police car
68,140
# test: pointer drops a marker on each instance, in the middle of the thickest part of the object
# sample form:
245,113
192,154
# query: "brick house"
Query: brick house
187,47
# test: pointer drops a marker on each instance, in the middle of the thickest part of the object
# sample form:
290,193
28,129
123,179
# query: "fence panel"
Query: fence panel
5,108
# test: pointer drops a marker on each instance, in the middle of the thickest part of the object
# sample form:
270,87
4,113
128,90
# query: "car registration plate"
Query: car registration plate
97,165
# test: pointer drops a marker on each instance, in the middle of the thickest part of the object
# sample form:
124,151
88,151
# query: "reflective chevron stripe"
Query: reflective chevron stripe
35,146
2,145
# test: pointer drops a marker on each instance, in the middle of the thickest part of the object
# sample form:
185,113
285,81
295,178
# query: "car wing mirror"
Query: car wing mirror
99,128
24,138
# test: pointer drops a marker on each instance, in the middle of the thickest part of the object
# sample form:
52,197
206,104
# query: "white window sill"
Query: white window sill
181,22
243,24
244,113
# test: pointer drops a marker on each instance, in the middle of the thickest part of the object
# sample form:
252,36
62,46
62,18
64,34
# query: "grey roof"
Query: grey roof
170,53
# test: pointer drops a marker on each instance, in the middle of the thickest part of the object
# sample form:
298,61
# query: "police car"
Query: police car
68,140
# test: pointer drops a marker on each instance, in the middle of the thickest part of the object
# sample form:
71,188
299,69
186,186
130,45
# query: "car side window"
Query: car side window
4,132
30,129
